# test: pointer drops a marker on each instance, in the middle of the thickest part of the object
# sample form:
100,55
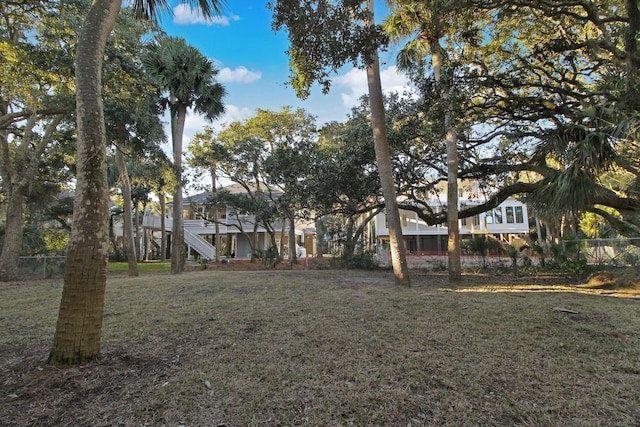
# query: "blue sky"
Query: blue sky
254,66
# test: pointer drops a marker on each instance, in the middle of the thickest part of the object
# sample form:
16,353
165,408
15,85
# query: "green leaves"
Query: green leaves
186,74
324,35
151,9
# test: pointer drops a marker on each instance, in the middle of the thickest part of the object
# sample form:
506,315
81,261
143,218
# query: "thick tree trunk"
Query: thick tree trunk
79,326
349,240
12,238
385,168
129,239
178,255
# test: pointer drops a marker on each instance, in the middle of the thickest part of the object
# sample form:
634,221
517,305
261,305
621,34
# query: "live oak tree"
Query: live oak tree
79,326
291,136
242,163
269,156
18,173
343,186
560,81
156,173
324,36
205,153
39,84
131,114
247,145
547,109
35,99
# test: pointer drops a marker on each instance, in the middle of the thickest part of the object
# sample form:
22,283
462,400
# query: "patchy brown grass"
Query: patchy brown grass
328,348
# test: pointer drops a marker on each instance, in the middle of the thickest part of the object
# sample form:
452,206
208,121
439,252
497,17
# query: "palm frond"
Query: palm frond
152,9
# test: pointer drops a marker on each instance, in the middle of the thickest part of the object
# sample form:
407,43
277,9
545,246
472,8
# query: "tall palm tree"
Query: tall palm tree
79,326
385,167
428,22
188,76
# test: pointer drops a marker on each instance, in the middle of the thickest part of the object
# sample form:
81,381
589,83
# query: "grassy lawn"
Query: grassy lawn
328,348
142,266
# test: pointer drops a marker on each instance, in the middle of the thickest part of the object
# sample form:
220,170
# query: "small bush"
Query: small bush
362,260
270,257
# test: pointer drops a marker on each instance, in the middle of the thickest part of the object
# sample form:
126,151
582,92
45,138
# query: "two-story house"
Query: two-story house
237,229
506,222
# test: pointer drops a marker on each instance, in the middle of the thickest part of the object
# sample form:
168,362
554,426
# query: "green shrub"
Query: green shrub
270,256
362,260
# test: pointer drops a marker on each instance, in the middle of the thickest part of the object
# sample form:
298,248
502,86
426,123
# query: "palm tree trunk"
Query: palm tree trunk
385,168
453,243
163,225
129,239
178,255
79,326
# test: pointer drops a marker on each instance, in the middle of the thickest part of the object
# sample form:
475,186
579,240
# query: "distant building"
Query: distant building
236,229
506,222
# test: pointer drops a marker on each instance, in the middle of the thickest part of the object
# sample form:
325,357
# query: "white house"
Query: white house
507,221
235,229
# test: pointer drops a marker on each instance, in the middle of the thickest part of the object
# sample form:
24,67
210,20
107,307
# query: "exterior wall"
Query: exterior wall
511,217
515,218
243,248
193,214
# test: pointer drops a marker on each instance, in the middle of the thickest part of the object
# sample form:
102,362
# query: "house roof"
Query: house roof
235,188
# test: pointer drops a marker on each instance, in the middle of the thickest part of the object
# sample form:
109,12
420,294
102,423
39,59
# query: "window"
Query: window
497,214
489,217
510,217
476,220
519,215
464,221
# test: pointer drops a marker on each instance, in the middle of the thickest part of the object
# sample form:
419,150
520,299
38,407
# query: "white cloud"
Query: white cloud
183,14
233,114
239,75
195,123
355,83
